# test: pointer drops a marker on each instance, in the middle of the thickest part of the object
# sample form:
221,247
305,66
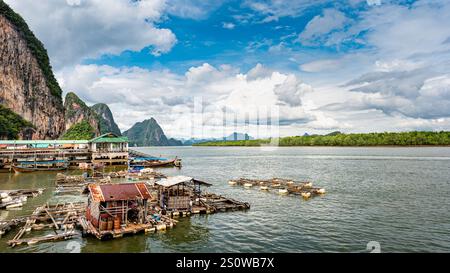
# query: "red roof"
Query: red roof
118,192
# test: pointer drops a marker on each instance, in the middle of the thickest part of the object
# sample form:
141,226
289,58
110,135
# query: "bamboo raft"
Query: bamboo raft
76,184
61,218
10,199
281,186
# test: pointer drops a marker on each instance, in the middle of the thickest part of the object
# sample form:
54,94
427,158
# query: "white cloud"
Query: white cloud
192,9
373,2
291,91
321,65
259,71
78,29
228,25
321,25
272,10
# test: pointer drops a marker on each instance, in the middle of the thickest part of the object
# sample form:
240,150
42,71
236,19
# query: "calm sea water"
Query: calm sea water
398,197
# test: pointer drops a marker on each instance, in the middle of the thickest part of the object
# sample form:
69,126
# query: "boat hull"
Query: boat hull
18,169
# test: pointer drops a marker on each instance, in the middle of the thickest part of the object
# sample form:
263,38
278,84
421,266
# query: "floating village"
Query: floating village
147,202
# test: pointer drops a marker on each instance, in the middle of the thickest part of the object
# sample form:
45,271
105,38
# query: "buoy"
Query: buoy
264,188
161,227
231,182
321,191
7,199
283,191
306,194
248,185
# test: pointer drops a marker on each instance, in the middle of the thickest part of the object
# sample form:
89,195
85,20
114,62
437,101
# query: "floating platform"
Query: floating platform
61,218
280,186
10,199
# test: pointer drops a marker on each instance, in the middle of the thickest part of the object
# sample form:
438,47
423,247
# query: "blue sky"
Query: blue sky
312,66
234,33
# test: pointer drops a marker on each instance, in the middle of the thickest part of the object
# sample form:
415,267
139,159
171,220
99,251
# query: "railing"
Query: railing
42,151
111,150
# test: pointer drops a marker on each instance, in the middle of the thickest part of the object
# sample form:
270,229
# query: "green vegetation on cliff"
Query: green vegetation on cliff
11,123
73,99
415,138
36,47
80,131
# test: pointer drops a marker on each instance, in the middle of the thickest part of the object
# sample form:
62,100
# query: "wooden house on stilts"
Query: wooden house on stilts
117,209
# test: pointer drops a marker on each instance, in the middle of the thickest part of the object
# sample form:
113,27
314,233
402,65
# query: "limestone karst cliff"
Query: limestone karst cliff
27,84
76,111
106,119
149,133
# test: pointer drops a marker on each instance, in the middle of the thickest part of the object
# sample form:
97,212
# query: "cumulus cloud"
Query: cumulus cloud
74,30
291,91
259,71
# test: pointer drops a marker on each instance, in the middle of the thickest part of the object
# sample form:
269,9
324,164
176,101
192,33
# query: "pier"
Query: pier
108,149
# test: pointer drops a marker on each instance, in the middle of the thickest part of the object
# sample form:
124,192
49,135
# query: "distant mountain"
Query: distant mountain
191,141
239,136
106,119
149,133
231,137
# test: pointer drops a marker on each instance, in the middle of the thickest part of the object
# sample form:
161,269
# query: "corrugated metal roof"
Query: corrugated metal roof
118,192
109,137
173,180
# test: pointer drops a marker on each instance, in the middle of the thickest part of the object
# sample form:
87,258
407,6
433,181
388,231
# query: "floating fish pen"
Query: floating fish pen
10,199
219,203
77,184
60,218
281,186
182,196
78,179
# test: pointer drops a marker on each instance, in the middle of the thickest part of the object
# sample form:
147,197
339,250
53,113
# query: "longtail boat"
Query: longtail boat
27,167
156,163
